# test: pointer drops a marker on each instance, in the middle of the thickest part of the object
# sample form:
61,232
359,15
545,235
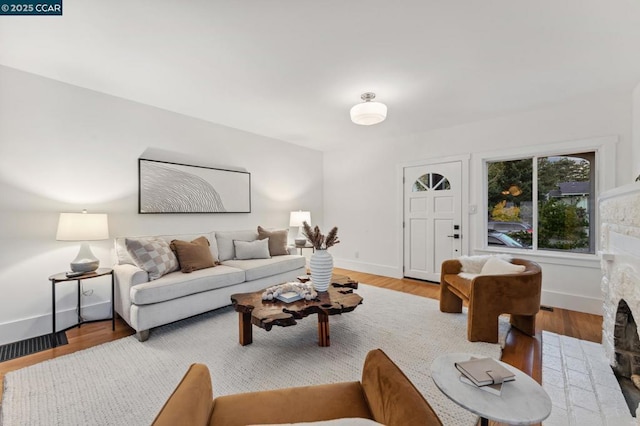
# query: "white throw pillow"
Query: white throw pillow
258,249
497,266
474,264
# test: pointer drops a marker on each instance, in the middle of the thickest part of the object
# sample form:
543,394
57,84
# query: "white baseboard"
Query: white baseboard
25,328
572,302
369,268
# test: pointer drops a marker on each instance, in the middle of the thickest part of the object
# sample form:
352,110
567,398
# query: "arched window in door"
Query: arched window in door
431,182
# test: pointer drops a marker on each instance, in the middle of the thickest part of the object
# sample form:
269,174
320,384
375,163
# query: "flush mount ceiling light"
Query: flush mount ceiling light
368,112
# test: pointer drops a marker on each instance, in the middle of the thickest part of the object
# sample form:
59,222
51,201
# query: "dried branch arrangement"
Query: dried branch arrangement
318,240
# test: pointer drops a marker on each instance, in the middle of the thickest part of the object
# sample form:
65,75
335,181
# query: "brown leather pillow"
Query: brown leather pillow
193,255
277,240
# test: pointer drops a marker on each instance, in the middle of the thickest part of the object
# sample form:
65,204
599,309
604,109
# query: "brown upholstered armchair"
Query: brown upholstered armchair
489,296
385,395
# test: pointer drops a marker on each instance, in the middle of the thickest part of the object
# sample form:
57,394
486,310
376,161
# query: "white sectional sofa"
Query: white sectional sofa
145,304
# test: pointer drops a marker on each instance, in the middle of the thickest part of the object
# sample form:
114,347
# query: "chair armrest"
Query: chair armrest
392,398
191,402
451,266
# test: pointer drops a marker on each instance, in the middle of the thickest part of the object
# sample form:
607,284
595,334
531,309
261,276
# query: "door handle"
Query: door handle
454,236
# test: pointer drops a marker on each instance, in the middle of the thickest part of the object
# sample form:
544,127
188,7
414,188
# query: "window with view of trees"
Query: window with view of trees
543,203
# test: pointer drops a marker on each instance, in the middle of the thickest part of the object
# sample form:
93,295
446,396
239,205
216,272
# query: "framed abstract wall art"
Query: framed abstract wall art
165,187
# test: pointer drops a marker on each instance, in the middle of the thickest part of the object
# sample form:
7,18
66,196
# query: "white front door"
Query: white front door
432,218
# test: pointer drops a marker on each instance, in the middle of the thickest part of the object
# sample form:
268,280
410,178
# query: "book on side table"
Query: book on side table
495,389
485,373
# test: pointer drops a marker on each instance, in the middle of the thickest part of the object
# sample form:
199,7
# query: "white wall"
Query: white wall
363,192
64,148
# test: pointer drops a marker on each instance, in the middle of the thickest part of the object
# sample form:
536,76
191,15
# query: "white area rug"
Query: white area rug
583,389
126,382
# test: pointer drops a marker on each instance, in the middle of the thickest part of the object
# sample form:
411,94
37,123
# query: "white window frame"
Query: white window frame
605,160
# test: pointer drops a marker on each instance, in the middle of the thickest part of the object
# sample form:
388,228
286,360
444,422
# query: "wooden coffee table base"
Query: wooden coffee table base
323,330
246,332
252,310
246,329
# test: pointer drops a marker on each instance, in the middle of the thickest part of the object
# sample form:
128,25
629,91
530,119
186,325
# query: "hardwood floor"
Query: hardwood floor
521,351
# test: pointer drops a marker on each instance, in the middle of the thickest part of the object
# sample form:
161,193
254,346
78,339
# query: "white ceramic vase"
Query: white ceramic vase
321,265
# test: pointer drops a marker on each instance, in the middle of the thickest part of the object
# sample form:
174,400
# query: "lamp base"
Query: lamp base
84,266
300,239
85,261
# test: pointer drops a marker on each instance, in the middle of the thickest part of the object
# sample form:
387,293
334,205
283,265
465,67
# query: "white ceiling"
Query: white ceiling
291,69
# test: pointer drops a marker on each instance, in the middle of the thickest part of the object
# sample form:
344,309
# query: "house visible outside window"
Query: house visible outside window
542,203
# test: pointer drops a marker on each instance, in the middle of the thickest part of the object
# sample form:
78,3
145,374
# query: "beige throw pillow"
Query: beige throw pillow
152,255
277,240
193,255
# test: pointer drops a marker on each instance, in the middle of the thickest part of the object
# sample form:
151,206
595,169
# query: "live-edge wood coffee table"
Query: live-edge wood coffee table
338,299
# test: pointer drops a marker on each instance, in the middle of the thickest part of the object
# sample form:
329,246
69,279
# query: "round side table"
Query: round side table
522,401
62,277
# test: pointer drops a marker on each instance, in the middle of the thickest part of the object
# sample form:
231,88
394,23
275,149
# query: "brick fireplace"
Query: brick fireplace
620,244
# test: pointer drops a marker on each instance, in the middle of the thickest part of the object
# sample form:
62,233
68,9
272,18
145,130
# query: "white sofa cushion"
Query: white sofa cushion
225,239
178,284
259,268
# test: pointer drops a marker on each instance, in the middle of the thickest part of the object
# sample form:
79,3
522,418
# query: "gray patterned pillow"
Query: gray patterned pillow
152,255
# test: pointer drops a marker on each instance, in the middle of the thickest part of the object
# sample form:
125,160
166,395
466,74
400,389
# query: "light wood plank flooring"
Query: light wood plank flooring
521,351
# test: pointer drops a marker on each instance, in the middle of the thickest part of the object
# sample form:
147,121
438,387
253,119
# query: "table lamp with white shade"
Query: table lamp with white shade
83,227
296,219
